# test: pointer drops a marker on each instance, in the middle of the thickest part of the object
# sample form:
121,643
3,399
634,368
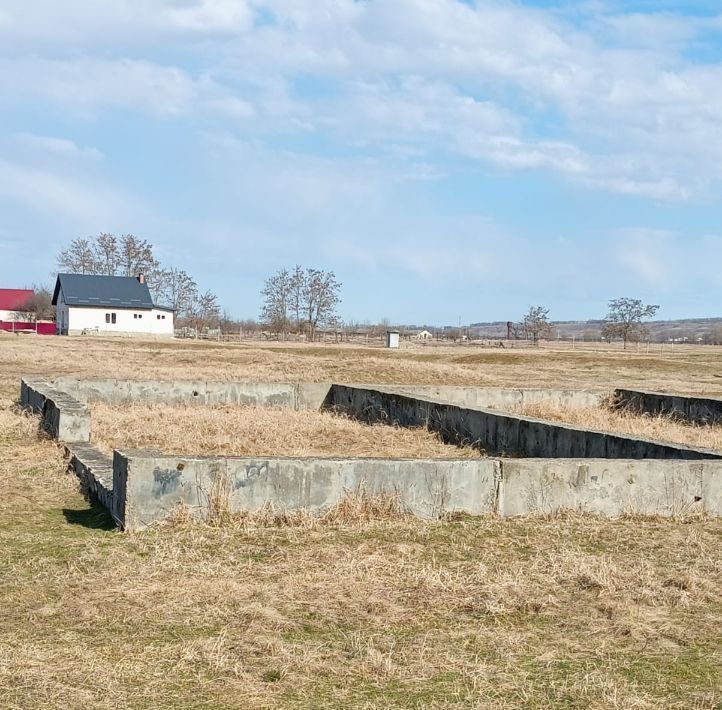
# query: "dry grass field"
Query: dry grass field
232,430
350,611
659,427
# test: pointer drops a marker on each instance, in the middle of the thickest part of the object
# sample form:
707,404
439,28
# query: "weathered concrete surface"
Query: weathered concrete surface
701,410
264,394
501,433
63,417
95,471
310,395
261,394
609,487
497,397
148,486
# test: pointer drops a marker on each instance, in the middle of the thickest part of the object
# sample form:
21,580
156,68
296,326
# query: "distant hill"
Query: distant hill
692,330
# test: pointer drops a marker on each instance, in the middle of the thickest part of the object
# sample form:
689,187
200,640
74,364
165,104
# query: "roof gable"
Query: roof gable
14,299
102,291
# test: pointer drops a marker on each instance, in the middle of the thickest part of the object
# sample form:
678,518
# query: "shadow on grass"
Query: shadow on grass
95,517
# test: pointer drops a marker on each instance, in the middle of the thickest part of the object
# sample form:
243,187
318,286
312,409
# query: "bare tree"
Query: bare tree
40,305
78,258
106,253
535,323
320,299
625,319
177,290
205,311
277,294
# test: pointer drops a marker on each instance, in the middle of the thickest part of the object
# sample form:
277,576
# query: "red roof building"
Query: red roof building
14,299
14,319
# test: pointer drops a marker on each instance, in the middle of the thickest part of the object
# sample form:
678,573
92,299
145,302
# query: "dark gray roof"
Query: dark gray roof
103,291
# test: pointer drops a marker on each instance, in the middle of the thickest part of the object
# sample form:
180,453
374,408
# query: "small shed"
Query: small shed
393,339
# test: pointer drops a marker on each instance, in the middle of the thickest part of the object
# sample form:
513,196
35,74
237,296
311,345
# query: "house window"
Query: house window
135,315
110,317
159,316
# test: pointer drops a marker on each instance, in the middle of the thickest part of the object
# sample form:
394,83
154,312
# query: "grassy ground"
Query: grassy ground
233,430
566,612
659,427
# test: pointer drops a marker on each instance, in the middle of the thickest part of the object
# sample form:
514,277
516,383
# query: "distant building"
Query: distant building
423,335
393,339
112,305
12,303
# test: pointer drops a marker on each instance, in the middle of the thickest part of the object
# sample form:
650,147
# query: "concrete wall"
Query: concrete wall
147,485
141,487
62,416
610,487
308,395
498,397
500,433
700,410
262,394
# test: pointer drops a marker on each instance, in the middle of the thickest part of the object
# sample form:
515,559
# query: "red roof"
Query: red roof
13,299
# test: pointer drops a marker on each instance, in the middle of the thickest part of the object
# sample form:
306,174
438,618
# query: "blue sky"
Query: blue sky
448,160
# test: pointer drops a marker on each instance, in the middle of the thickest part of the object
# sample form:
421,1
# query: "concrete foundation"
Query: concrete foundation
585,470
498,432
700,410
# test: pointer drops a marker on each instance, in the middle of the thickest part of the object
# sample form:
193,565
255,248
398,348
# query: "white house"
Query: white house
112,305
424,335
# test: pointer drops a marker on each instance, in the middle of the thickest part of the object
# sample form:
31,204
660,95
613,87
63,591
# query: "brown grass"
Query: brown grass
652,427
682,369
563,612
231,430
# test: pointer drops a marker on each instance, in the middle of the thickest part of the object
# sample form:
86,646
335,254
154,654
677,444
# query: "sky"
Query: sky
450,161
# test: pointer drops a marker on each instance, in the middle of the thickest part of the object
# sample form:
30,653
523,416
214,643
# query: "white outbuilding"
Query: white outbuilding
111,305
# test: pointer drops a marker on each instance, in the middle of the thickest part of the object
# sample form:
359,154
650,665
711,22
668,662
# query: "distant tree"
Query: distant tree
625,319
320,299
276,295
535,323
78,258
177,290
205,311
304,299
106,254
40,305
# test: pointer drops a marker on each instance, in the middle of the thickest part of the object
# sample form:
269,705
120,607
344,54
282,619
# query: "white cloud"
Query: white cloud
58,146
610,100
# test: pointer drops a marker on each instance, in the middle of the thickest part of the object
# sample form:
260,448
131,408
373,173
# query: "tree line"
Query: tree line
625,320
127,255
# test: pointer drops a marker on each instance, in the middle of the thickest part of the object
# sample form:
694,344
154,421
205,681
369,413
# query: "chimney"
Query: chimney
141,278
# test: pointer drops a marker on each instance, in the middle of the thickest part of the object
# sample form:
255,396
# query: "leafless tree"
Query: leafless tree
40,305
78,258
304,299
277,294
625,319
535,323
106,253
205,311
320,299
177,290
